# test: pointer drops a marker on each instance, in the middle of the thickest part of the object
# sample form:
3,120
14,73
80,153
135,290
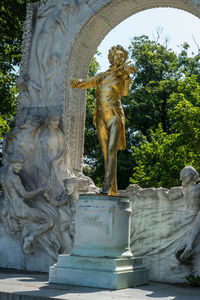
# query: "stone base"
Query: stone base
108,273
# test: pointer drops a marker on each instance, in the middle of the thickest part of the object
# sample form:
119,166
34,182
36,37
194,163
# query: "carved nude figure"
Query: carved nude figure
109,117
29,87
52,157
52,78
16,199
191,190
22,140
55,17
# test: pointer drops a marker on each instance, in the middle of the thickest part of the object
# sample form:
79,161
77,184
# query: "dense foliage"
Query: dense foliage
166,95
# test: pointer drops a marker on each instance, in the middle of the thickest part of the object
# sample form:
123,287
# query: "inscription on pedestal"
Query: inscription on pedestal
95,219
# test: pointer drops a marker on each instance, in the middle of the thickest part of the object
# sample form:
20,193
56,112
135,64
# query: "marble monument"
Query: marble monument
42,177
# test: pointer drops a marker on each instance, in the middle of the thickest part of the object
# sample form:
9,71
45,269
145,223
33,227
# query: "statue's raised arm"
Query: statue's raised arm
83,84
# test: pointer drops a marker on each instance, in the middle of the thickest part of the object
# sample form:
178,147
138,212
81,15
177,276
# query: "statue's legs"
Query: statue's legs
38,217
109,141
113,188
188,251
102,134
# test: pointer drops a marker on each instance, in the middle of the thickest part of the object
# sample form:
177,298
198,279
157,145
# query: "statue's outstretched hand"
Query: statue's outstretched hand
128,69
133,69
75,82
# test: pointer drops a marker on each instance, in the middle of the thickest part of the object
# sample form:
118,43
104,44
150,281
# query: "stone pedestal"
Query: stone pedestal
101,256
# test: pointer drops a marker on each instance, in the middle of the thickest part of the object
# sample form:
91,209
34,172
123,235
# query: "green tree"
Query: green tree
159,72
155,80
160,160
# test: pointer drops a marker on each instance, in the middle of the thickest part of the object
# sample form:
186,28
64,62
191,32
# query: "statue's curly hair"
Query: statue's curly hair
112,51
188,170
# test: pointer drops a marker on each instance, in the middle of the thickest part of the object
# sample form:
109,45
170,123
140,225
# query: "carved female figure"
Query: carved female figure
52,156
56,17
15,197
191,190
52,76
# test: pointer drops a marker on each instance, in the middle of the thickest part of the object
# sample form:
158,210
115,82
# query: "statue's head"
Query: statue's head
15,162
189,176
71,6
117,55
52,121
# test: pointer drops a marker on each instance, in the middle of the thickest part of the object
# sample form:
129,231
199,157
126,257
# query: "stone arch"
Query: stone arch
103,19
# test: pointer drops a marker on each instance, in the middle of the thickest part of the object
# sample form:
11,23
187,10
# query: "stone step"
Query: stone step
102,263
101,272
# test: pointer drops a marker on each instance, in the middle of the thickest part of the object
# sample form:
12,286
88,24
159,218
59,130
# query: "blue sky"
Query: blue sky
178,25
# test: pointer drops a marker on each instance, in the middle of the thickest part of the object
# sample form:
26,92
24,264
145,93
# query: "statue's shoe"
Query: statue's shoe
105,189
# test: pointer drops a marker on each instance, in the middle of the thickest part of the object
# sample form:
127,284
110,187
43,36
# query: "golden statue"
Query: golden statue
109,115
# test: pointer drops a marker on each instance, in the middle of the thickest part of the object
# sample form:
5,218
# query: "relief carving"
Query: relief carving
40,83
166,227
39,186
191,190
